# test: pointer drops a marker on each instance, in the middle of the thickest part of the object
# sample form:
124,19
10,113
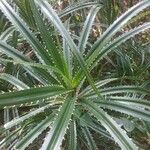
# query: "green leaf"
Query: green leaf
12,52
31,95
47,39
8,138
98,84
121,89
89,138
129,100
18,56
81,138
113,128
72,136
26,12
38,66
86,120
51,14
55,137
21,26
118,41
32,64
66,51
14,81
108,34
87,27
34,133
125,108
19,120
6,34
75,7
116,26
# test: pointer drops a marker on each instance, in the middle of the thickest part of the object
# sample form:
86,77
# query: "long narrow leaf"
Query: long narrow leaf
98,85
118,41
133,101
86,120
32,64
34,133
66,51
121,89
117,25
15,54
6,34
30,95
124,108
55,137
12,52
8,138
87,27
107,35
55,53
20,25
45,68
89,138
19,120
75,7
72,136
113,128
14,81
51,14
